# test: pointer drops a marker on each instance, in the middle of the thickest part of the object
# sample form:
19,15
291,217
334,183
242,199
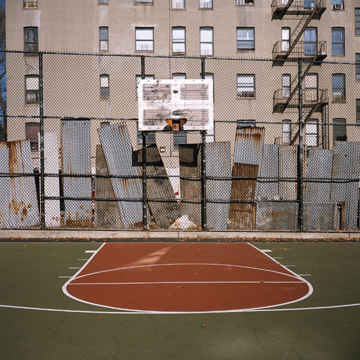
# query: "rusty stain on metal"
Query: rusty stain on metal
242,214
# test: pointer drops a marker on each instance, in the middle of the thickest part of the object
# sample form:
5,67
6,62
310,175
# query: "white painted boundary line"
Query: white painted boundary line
189,282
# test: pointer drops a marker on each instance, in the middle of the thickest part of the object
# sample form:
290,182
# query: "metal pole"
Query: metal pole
300,169
41,144
203,183
144,187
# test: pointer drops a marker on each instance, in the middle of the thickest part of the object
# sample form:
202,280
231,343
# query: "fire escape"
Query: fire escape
311,51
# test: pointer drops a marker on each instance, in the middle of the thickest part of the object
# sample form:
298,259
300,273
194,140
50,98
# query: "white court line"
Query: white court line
304,274
64,277
91,251
189,282
176,313
74,268
266,251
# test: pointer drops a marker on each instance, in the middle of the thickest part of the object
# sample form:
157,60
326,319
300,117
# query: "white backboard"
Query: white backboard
160,100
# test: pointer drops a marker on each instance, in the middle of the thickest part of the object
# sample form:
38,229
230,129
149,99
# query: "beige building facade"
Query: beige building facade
244,44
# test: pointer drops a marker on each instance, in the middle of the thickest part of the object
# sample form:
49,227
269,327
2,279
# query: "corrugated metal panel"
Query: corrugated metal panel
190,181
287,170
267,187
51,154
158,186
218,164
318,174
321,216
76,161
276,216
249,144
346,166
118,151
242,215
4,186
23,205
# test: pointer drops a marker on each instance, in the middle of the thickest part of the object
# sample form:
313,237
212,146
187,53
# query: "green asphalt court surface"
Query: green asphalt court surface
32,275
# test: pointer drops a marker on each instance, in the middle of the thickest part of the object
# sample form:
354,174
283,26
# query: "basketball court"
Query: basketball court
179,300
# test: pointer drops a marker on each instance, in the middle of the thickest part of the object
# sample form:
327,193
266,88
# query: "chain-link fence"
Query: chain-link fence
284,153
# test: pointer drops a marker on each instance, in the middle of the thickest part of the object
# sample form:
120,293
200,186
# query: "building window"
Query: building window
338,41
357,66
245,38
311,91
144,1
104,38
206,41
179,76
178,40
178,4
311,133
32,134
104,87
179,137
285,39
31,39
104,124
138,78
286,131
244,2
246,86
150,138
245,123
103,2
339,130
338,87
30,4
206,4
357,21
144,39
358,111
32,90
337,4
286,85
308,4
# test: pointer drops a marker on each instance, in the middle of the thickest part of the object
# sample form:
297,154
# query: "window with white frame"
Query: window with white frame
178,4
286,131
338,41
244,2
31,42
207,41
144,1
311,133
32,89
104,86
286,85
337,4
32,134
178,40
246,85
30,4
179,76
339,130
144,38
245,38
104,38
206,4
338,87
357,66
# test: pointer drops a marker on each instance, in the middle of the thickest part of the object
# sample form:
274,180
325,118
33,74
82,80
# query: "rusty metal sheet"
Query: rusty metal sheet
317,178
118,151
345,174
218,164
107,214
321,216
276,216
267,186
242,215
23,204
75,160
249,144
190,181
287,172
161,199
4,186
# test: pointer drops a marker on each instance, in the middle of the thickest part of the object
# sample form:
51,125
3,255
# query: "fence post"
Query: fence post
41,143
203,166
144,187
300,159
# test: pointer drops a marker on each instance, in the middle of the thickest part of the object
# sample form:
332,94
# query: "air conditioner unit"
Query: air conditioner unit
337,6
